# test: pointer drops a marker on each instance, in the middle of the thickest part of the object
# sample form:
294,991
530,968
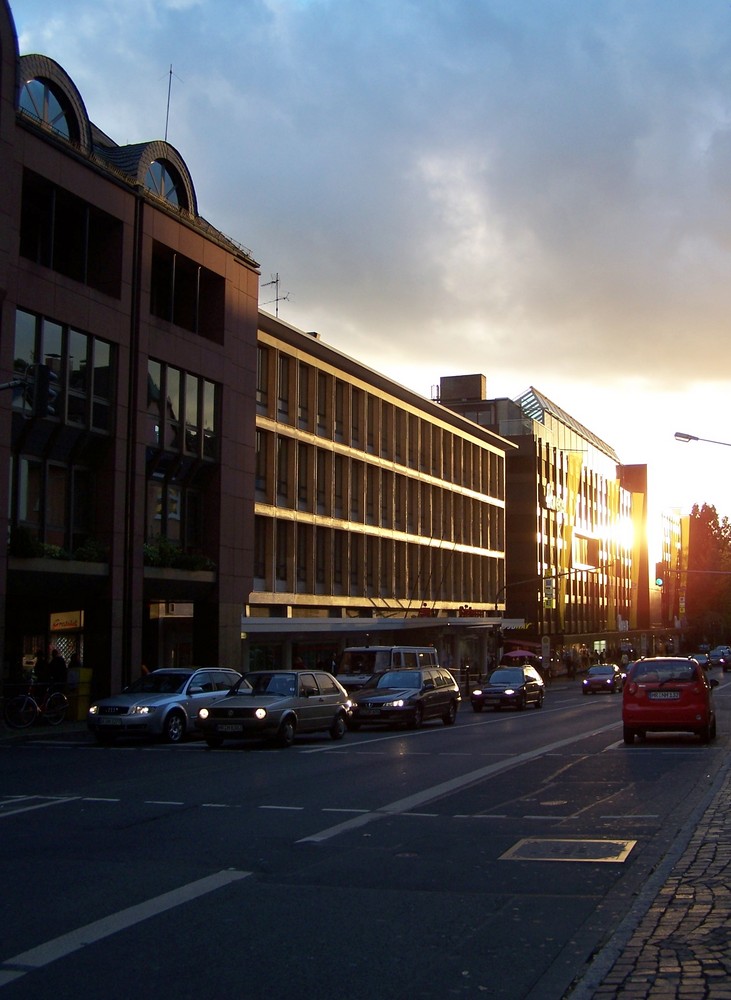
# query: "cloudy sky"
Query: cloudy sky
537,190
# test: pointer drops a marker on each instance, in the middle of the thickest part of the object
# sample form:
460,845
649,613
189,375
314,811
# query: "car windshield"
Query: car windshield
681,671
156,683
600,671
510,675
397,679
269,682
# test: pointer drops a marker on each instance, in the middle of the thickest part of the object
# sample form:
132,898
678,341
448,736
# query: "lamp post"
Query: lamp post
685,438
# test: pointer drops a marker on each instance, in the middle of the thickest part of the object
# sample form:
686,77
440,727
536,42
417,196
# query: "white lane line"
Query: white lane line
26,806
17,966
94,798
162,802
356,811
285,808
411,802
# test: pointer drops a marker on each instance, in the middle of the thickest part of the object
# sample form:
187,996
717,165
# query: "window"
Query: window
186,293
262,379
163,181
82,367
303,399
283,389
63,232
46,103
177,399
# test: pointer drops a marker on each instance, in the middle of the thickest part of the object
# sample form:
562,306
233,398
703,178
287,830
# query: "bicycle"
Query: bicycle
23,710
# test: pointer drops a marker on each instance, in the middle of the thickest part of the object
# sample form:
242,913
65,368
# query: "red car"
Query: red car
665,694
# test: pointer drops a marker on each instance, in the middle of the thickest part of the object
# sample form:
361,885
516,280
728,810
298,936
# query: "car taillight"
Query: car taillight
631,688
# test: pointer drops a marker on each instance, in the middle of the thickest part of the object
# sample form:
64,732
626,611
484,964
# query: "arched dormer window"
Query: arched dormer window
47,104
46,94
163,181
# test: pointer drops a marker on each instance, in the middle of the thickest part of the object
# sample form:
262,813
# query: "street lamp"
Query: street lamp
685,438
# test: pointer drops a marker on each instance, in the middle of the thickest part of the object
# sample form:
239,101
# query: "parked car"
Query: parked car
509,687
398,697
277,704
162,703
668,694
603,677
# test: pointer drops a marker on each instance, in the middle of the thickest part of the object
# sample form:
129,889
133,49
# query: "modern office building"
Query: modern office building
130,496
380,515
576,546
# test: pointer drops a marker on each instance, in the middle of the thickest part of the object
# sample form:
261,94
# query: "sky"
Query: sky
534,190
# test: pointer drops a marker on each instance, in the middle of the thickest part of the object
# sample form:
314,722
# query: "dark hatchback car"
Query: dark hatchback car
406,697
603,677
509,687
277,704
665,694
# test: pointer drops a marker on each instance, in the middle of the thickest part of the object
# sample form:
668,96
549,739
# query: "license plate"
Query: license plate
369,711
229,728
663,695
104,721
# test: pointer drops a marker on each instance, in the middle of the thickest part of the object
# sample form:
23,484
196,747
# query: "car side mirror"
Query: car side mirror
195,689
428,686
713,682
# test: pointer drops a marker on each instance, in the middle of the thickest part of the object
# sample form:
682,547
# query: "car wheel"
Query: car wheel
174,728
285,736
476,706
584,691
450,716
214,742
521,704
628,735
337,729
418,717
539,700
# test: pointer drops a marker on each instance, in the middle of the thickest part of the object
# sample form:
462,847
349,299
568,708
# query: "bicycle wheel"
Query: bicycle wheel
56,708
20,712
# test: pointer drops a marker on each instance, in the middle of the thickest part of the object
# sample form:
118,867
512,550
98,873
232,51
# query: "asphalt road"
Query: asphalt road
488,859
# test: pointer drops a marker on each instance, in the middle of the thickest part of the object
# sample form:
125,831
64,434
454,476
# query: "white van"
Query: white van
358,663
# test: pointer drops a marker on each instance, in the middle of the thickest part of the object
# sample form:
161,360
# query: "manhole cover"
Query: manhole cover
539,849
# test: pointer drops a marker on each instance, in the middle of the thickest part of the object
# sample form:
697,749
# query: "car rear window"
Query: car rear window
659,673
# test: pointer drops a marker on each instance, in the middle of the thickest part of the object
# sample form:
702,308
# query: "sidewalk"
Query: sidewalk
675,942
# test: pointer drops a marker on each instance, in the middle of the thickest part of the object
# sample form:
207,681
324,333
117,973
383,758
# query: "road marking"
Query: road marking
162,802
444,788
285,808
30,803
17,966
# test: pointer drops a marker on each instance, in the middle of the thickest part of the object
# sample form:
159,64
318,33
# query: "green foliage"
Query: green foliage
92,551
166,554
708,594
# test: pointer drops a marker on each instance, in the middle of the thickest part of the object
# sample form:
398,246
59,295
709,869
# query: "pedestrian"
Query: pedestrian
57,670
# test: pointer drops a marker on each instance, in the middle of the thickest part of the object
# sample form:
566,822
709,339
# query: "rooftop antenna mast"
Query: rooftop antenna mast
167,110
277,297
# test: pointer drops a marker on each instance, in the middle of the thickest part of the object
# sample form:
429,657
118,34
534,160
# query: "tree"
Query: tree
708,593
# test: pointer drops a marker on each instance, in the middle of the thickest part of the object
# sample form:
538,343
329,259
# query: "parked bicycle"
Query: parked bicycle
23,710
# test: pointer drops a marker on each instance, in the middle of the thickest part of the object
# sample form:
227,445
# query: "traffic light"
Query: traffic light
661,574
44,391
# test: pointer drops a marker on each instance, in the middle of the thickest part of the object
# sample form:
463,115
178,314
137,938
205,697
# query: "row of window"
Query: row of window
299,476
61,231
294,557
296,393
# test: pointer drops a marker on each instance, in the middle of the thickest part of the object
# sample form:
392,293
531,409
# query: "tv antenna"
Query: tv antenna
167,110
277,297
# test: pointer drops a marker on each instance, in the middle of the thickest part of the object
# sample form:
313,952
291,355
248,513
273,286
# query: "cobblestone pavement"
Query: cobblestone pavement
676,940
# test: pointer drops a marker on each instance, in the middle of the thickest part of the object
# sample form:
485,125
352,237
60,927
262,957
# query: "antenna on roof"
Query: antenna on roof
277,297
167,111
